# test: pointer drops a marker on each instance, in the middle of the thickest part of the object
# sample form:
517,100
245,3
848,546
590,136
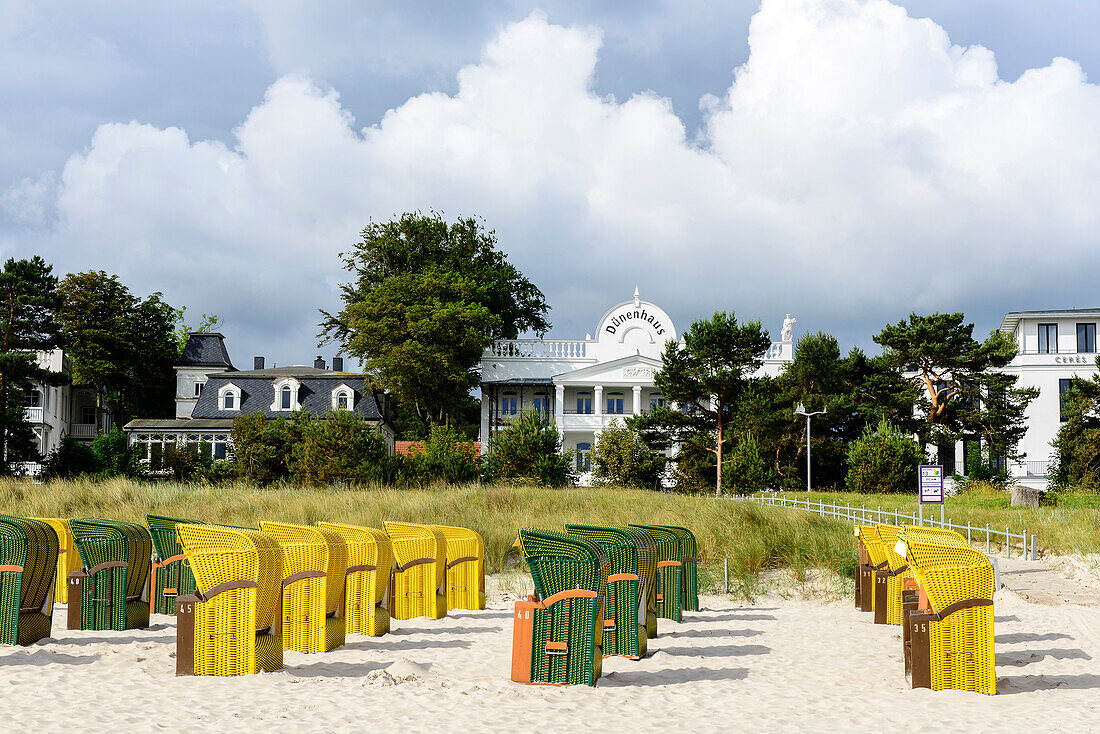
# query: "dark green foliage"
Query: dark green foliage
621,457
1076,464
340,447
70,458
183,330
185,461
261,448
884,460
529,449
706,378
445,457
114,456
745,471
960,393
28,299
426,298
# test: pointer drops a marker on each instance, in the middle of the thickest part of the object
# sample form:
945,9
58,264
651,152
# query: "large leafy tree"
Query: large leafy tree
28,300
120,344
961,390
705,378
426,298
1077,445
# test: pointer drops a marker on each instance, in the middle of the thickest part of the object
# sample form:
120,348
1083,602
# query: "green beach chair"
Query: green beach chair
28,568
690,559
625,611
557,636
171,575
111,591
670,572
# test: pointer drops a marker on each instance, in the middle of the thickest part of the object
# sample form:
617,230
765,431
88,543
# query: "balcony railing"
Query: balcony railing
34,414
778,350
83,430
538,348
1038,468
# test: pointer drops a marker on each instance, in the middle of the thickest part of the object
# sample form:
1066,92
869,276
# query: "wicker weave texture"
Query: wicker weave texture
367,583
668,591
898,568
233,629
170,578
567,634
624,630
419,571
114,598
690,555
313,607
68,560
465,580
26,595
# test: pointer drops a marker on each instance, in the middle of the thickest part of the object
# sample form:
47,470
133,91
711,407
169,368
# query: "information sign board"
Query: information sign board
931,484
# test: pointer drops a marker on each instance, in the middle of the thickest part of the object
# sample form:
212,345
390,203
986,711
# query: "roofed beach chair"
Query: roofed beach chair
111,590
557,634
419,571
647,574
624,621
231,624
872,559
315,564
28,573
68,560
889,581
367,583
465,580
171,577
690,549
951,641
670,572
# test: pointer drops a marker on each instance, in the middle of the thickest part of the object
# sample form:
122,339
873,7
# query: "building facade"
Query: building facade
211,392
585,384
1053,347
58,411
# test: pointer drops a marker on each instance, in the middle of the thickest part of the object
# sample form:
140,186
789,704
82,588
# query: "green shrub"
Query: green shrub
883,460
445,457
743,471
341,447
261,448
114,456
185,461
71,458
530,449
621,457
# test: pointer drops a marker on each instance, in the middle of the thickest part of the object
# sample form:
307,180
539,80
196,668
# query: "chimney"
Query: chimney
257,363
319,363
337,364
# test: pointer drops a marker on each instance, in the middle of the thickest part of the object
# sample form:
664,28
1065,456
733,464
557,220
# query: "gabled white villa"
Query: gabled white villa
584,384
1053,347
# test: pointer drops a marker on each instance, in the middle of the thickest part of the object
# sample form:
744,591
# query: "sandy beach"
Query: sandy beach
777,665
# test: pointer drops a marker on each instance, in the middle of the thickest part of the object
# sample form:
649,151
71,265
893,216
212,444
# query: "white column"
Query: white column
597,399
559,404
637,400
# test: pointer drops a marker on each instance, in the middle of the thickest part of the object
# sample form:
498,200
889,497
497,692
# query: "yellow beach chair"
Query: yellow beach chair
890,581
28,562
231,624
68,560
315,562
465,568
367,583
419,571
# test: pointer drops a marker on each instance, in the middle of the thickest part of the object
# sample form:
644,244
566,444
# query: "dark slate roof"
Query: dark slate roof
258,393
179,424
205,349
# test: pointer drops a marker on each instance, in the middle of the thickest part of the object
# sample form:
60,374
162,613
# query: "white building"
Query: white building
57,411
1053,347
584,384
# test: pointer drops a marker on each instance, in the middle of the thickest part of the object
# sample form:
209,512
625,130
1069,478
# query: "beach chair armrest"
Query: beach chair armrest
416,562
666,564
225,586
301,576
615,577
363,567
569,594
455,562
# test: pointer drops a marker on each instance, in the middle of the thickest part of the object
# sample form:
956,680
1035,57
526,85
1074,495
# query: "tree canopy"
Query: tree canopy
426,298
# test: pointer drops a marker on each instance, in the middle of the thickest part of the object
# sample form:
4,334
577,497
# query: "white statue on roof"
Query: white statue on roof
788,327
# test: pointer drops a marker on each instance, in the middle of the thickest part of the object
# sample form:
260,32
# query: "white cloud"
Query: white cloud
859,166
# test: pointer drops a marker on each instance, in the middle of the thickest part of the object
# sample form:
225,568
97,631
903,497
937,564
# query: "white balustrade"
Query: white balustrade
538,348
33,414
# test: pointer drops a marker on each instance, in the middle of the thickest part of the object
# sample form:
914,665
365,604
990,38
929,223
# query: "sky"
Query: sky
847,161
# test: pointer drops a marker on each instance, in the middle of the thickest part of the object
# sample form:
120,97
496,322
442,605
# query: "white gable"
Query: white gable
633,370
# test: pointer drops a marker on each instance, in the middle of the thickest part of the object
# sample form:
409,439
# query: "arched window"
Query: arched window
285,397
614,403
509,404
229,397
584,403
229,401
343,401
584,459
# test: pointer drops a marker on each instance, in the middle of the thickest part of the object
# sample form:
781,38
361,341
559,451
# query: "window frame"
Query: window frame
584,456
509,403
1090,336
1044,332
616,396
585,399
1064,383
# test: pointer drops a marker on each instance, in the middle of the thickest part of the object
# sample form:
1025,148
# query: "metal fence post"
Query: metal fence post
967,531
987,539
1033,556
1024,538
1008,546
727,565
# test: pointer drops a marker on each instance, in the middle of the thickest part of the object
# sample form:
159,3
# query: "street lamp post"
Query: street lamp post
801,410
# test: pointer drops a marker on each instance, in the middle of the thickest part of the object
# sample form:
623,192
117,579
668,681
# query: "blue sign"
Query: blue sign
930,479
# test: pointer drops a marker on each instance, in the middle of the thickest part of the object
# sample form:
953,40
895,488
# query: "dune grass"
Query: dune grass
754,538
1072,526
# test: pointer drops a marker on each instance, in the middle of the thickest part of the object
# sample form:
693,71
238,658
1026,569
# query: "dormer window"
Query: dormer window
229,397
342,398
286,394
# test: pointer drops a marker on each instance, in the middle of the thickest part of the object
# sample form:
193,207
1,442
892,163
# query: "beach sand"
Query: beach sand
780,665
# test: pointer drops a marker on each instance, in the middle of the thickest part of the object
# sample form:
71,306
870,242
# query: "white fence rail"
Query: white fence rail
1002,540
